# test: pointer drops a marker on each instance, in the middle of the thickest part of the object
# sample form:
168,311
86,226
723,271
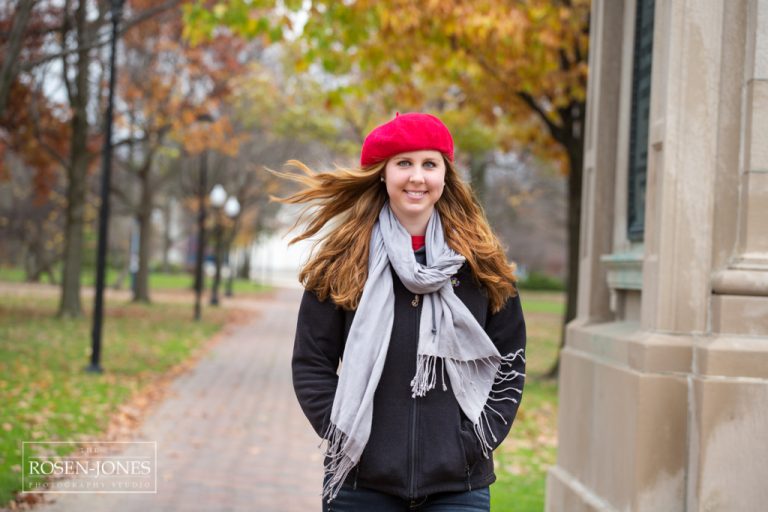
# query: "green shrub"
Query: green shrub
541,281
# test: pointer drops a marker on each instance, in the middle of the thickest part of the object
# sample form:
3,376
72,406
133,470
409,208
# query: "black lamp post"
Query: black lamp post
201,193
218,198
106,178
232,210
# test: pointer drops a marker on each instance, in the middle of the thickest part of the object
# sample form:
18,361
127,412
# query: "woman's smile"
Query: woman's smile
413,194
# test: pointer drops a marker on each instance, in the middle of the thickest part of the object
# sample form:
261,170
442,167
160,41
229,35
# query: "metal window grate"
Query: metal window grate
639,118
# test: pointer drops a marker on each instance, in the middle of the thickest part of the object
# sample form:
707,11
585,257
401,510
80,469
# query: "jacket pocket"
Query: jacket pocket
473,452
442,458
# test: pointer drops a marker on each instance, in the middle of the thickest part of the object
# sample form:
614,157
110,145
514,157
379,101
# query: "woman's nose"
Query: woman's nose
417,175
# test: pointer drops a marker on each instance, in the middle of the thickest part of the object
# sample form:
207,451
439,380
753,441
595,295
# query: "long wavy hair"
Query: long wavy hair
348,202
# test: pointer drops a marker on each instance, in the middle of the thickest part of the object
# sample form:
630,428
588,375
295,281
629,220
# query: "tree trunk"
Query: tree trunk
48,270
9,67
37,261
33,257
245,269
575,150
117,284
69,305
144,217
218,252
478,164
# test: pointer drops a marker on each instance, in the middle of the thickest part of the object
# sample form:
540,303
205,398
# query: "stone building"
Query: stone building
664,377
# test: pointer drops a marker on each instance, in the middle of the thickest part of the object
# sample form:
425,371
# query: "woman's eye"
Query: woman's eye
403,163
429,164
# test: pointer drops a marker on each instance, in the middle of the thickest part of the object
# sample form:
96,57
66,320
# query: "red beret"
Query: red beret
406,132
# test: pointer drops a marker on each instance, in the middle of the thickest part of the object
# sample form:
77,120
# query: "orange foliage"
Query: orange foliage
168,84
36,131
33,127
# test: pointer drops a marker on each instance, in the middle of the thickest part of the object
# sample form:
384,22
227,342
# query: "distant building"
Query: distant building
272,260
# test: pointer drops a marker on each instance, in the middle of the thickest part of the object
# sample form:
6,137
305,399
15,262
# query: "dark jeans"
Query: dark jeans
366,500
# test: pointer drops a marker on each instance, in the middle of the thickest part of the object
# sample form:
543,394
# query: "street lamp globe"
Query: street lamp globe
232,207
218,196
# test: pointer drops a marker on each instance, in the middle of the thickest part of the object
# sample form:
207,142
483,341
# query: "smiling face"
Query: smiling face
415,181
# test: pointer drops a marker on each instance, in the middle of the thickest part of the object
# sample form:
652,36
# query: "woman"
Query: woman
412,291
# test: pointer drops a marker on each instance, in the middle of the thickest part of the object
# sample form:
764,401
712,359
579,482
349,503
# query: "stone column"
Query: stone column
728,439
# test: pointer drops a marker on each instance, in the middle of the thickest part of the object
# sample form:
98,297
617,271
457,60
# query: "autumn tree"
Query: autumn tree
80,155
71,34
51,23
165,84
33,136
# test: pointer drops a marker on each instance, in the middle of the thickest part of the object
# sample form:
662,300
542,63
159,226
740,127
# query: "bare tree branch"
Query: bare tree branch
122,195
10,64
143,16
556,130
65,27
39,134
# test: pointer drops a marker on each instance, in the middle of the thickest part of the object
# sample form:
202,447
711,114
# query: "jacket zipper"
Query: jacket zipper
469,480
413,452
467,468
415,304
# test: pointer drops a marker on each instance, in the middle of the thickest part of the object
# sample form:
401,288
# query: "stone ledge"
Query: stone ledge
733,356
626,343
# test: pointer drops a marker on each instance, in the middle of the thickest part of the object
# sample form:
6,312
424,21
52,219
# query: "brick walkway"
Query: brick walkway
231,435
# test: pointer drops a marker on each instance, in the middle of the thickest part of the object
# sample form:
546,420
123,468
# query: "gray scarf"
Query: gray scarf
449,332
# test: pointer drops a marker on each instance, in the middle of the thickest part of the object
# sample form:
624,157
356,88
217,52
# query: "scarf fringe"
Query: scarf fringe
426,373
483,427
426,376
338,464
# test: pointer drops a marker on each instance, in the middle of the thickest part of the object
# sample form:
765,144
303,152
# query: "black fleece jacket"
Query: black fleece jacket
419,446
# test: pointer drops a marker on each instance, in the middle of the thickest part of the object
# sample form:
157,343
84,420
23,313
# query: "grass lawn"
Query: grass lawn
531,447
157,280
160,281
45,393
